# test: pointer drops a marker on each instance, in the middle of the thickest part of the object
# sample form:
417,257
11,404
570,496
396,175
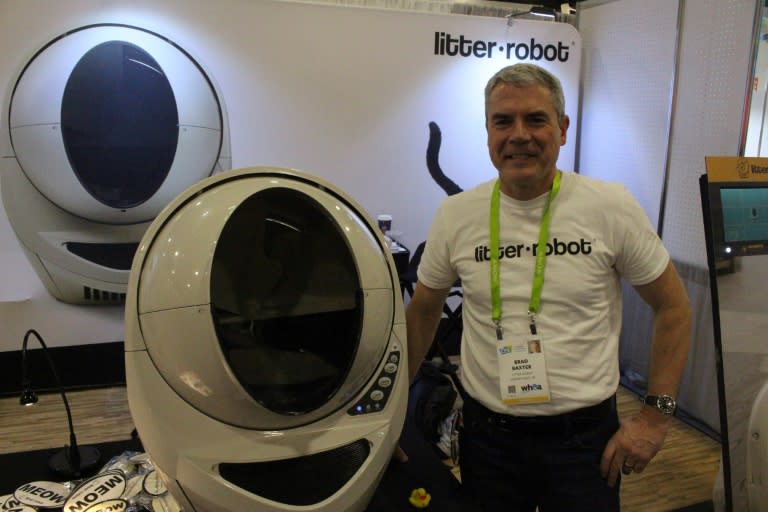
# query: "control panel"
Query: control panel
376,398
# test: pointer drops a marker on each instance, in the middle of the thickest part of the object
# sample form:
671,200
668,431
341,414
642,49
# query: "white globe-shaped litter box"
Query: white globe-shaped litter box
265,345
107,124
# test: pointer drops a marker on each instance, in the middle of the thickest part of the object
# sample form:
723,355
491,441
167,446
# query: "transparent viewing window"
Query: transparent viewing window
286,301
120,124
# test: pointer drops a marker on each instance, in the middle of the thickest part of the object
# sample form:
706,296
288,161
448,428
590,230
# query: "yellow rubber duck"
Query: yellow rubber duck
420,498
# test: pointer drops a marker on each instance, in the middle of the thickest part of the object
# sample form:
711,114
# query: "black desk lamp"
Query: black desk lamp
71,461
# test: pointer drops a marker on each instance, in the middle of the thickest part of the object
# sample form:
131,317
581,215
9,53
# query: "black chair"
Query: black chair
408,278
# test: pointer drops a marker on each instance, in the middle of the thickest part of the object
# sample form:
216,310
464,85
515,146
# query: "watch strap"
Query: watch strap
663,403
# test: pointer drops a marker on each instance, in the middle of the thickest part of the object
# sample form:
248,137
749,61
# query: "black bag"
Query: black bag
430,401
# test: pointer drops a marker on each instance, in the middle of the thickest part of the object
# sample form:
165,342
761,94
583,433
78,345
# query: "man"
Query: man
541,252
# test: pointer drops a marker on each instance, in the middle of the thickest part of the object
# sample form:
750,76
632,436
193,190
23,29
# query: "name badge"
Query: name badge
522,370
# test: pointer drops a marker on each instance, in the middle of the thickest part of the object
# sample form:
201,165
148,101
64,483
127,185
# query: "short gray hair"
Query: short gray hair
526,75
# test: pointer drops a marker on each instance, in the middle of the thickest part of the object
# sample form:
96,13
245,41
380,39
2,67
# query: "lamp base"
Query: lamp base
89,458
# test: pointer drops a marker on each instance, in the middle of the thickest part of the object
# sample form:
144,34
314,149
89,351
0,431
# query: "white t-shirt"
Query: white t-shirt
598,233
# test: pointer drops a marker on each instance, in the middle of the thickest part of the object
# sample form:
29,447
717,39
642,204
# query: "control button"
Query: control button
385,382
390,367
394,358
377,395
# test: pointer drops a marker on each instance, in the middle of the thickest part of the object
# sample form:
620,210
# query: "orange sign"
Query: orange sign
736,169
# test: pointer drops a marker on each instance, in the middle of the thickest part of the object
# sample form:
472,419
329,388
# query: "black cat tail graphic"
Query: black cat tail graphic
433,165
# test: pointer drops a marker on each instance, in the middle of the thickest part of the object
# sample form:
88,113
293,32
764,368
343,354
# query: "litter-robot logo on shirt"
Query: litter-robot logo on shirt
459,45
554,248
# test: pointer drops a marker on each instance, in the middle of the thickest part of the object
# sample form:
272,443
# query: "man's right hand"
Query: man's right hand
400,455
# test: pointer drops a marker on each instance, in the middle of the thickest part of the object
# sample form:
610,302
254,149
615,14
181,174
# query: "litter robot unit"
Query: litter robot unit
106,123
265,346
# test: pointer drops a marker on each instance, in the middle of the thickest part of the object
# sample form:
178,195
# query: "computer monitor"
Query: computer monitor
739,218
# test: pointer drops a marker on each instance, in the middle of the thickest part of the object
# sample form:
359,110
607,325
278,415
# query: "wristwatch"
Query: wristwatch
665,404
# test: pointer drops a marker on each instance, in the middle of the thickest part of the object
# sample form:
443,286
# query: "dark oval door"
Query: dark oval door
285,295
120,124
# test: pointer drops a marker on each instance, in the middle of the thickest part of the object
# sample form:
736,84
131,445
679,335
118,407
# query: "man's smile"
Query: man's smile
519,156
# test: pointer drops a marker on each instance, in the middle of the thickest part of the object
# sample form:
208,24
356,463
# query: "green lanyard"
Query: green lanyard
541,249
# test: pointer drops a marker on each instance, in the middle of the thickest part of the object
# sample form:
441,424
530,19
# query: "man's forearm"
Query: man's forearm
421,333
422,317
669,349
671,330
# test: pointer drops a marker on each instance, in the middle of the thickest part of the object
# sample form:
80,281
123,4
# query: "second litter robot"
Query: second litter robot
266,346
104,125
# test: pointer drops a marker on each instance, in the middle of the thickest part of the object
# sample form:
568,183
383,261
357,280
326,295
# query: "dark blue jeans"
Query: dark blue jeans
516,464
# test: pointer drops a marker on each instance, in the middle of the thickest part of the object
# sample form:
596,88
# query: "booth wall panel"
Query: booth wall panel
714,70
699,112
628,72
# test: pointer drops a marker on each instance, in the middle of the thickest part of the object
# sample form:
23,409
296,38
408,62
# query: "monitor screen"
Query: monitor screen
745,213
740,218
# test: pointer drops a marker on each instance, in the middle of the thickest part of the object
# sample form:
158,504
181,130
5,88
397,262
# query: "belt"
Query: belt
580,418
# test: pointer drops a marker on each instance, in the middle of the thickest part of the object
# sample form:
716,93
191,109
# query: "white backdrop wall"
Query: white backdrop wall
340,92
636,131
629,49
714,68
756,143
713,83
628,74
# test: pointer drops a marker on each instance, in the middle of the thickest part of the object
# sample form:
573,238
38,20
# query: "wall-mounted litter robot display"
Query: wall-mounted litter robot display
107,123
265,345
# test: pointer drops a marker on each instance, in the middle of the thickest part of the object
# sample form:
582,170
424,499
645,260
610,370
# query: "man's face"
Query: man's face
524,138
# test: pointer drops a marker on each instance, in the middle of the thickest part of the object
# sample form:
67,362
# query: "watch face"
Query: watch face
666,404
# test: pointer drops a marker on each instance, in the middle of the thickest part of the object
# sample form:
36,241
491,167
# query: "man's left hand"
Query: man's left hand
632,447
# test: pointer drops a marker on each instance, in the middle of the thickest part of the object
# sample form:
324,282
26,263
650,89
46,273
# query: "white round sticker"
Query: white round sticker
108,506
11,504
123,465
133,487
103,487
7,501
42,494
153,484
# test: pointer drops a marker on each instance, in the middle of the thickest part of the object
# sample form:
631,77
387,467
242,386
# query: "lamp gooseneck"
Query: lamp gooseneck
73,460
